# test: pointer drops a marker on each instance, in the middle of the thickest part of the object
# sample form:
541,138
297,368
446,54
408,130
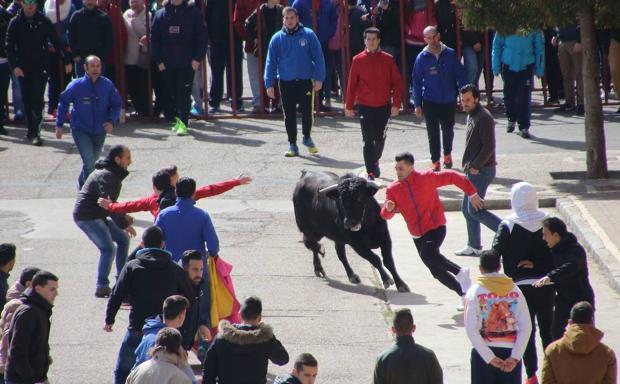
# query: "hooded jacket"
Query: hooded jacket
326,17
147,281
29,351
570,271
517,52
240,353
579,357
90,33
163,368
407,363
5,321
496,315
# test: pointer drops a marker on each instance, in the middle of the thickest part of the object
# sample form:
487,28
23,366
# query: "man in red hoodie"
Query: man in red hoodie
415,196
375,86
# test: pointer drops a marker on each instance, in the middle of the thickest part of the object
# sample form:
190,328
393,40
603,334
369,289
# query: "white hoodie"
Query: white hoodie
524,203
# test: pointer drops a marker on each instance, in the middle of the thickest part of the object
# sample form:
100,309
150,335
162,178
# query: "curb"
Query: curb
453,205
591,237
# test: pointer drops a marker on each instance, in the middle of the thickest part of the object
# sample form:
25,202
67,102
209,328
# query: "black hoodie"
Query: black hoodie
90,33
570,273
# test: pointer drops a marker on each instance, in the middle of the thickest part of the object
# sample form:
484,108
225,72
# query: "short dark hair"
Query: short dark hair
251,308
116,151
27,275
153,237
189,255
490,261
161,180
403,322
186,187
7,253
41,278
555,225
305,359
407,157
374,30
582,313
289,9
169,340
475,92
171,170
173,306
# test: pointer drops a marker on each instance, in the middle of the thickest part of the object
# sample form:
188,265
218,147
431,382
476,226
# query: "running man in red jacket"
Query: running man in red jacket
375,87
415,196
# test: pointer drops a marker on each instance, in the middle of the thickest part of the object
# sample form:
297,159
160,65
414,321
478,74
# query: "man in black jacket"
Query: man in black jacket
90,33
26,47
570,273
240,352
29,349
147,281
103,231
5,71
305,371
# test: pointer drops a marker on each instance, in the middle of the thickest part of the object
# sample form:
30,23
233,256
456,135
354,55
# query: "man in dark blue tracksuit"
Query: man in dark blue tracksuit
437,76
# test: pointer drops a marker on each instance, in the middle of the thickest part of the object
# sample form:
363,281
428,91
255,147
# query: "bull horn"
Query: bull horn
377,184
329,188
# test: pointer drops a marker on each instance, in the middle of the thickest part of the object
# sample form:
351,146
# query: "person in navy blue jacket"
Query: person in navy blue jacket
437,75
96,109
178,45
296,59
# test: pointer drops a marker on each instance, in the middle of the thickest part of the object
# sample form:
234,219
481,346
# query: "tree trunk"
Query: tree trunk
596,157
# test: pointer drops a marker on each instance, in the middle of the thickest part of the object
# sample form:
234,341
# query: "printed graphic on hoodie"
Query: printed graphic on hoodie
499,322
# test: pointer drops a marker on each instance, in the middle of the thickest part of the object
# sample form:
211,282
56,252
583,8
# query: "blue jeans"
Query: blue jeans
18,103
104,233
518,95
473,61
474,218
90,147
253,75
126,356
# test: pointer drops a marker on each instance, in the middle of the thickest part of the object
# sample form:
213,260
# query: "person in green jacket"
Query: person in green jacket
407,362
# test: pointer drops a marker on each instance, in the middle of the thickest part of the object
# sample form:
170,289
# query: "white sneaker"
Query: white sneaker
461,305
463,278
468,251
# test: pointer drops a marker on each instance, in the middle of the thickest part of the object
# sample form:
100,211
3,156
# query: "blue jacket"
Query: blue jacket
294,55
178,36
326,19
519,51
93,104
437,80
187,227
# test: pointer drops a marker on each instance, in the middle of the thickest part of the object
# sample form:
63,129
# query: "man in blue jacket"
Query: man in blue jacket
96,108
296,59
437,75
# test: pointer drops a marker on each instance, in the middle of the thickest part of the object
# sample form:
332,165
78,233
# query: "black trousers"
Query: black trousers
441,268
561,314
552,68
483,373
137,78
33,89
540,305
162,102
219,59
439,115
179,87
54,84
373,121
5,78
293,93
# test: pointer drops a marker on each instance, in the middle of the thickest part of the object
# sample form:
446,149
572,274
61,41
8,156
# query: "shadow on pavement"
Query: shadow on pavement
458,322
568,145
360,289
409,298
332,163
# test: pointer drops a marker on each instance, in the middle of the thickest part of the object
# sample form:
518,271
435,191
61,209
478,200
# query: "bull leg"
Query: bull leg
316,249
388,261
375,260
342,256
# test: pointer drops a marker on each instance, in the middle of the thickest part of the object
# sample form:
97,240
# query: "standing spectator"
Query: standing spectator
16,92
497,323
305,371
218,21
375,87
479,166
90,33
580,356
243,9
437,73
517,58
526,258
26,47
295,58
614,61
250,345
96,109
359,20
136,56
418,16
570,55
165,365
445,13
29,351
407,362
198,317
387,17
569,275
552,68
20,285
119,31
5,70
146,281
472,48
102,228
415,196
61,24
179,43
7,262
333,59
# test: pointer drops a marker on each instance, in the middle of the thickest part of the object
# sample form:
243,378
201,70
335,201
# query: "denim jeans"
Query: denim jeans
198,89
16,90
483,373
253,75
126,356
104,233
474,61
89,146
474,218
518,95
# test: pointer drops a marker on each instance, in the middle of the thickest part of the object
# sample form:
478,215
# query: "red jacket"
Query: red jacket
417,199
374,80
150,203
243,9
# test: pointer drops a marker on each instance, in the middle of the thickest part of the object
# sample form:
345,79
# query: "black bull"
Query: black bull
344,210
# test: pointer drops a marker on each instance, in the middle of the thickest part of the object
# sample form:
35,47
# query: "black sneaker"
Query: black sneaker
580,111
565,108
103,292
37,141
510,127
524,133
214,109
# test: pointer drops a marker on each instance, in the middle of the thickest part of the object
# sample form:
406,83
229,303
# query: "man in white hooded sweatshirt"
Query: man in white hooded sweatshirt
497,323
526,258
